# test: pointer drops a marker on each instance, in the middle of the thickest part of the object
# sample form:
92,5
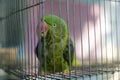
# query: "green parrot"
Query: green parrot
55,50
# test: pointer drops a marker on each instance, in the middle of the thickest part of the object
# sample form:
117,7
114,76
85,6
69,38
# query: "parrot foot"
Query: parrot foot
66,71
41,73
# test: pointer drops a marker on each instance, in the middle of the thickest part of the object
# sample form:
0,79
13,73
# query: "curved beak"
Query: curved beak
43,26
42,29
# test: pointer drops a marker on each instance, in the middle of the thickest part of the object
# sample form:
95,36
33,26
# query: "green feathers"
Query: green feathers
54,50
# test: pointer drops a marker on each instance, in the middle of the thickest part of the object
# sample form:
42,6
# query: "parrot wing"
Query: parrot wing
39,48
69,49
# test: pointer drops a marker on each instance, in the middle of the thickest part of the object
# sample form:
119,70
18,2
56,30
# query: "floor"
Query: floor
104,76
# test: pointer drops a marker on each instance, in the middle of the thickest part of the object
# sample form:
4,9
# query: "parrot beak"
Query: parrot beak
43,26
43,29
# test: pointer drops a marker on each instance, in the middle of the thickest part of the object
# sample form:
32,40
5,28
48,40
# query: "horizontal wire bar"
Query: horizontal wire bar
12,13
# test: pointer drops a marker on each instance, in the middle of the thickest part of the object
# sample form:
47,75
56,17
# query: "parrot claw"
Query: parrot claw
41,73
66,71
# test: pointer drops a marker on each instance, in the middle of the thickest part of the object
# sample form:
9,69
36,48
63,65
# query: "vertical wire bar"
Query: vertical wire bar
2,23
102,59
25,33
22,34
111,25
20,42
45,70
39,48
9,23
70,70
7,12
88,39
27,39
38,65
30,33
74,28
30,38
9,31
53,47
17,18
61,39
23,38
14,24
35,59
9,5
67,14
106,38
9,67
95,39
40,11
116,19
80,15
32,41
20,50
10,39
117,42
33,28
18,35
101,37
39,43
45,60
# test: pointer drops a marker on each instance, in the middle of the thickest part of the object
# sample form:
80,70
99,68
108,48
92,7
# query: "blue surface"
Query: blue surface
19,53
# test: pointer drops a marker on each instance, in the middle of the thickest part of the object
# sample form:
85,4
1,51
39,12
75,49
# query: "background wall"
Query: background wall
95,24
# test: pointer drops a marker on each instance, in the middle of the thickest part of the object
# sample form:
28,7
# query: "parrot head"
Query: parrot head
52,25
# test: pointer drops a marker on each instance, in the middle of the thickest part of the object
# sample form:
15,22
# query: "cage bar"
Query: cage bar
93,28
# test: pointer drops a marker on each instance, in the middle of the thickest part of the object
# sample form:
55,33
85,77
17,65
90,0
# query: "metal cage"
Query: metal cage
93,26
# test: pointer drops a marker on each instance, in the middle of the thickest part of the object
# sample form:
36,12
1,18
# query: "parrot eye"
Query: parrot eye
54,25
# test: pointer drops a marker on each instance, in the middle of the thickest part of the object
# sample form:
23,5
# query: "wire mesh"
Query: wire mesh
92,30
